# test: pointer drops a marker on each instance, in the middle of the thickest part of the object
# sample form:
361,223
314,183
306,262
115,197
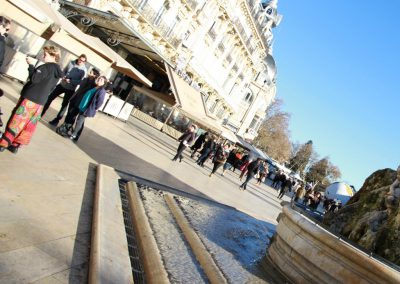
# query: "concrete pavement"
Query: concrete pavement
46,190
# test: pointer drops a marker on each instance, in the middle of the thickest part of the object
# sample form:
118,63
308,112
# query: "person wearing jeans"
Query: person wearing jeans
74,73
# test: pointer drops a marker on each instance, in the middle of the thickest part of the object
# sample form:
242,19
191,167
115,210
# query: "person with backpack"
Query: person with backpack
220,157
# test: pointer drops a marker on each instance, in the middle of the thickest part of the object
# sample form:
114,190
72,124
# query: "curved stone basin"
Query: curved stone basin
307,253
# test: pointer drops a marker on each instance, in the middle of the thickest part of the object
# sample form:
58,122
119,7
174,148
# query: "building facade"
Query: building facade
222,48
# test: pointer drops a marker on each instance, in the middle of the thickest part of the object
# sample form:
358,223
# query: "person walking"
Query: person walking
5,25
185,140
262,173
26,114
90,103
286,186
252,170
208,147
220,157
243,168
238,158
73,107
198,143
74,73
229,161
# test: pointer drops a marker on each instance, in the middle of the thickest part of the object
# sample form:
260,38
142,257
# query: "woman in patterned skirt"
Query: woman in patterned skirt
26,114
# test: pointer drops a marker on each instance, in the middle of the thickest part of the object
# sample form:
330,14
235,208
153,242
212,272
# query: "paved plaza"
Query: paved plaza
46,190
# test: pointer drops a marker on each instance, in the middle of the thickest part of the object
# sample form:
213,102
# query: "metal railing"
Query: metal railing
212,34
192,4
256,13
155,19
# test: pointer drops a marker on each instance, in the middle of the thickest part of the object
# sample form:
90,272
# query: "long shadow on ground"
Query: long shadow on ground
105,151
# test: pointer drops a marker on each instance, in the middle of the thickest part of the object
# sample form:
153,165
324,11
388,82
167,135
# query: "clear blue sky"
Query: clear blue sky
338,74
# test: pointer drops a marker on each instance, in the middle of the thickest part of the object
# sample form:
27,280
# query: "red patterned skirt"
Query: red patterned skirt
22,123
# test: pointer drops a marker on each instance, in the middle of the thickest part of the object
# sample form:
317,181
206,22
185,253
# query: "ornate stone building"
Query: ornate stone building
222,48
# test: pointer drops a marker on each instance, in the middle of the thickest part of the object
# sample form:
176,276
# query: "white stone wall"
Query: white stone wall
222,43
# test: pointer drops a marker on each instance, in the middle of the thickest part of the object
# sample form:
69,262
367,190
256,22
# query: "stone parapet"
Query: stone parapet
306,253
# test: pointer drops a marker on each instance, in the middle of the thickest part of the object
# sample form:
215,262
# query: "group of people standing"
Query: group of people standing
221,154
83,95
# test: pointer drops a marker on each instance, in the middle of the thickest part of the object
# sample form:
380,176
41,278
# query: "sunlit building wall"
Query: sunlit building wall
222,48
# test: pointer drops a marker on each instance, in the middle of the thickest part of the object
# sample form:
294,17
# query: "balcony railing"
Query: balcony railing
155,19
192,4
212,34
256,14
243,35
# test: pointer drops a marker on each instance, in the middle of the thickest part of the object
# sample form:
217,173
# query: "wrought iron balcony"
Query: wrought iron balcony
192,4
256,10
155,19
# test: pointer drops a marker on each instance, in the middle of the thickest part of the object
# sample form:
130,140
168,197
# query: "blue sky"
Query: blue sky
338,74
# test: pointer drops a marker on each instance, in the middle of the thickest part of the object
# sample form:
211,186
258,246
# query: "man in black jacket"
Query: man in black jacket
208,147
198,143
4,28
252,170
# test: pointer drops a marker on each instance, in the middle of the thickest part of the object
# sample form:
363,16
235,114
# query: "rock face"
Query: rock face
371,218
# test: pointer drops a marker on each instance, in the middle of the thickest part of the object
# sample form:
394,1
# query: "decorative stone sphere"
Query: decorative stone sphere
339,191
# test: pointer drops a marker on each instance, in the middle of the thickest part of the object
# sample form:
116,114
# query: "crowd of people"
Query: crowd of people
84,93
222,155
229,157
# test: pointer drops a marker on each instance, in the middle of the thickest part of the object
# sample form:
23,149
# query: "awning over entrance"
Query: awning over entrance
161,97
26,14
190,101
120,64
40,18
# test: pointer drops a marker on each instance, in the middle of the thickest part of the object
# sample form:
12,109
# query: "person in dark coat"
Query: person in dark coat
74,73
90,103
285,187
229,161
198,143
5,25
185,140
252,170
73,107
220,157
26,114
208,147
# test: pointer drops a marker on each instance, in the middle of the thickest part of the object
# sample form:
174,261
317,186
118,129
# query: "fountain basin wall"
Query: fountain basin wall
306,253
